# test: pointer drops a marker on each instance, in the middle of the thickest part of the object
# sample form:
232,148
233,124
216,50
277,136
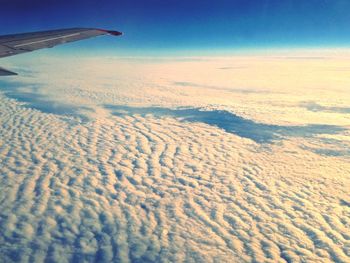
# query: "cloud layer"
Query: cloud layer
168,185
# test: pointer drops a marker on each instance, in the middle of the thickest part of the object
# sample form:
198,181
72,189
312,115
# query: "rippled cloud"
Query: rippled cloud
175,174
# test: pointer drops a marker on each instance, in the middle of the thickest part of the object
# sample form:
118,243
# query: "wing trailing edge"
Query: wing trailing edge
16,44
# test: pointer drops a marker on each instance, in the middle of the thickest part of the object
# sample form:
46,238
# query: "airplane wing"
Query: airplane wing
5,72
15,44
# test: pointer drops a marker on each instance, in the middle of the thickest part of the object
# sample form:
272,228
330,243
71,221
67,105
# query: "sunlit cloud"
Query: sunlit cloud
131,161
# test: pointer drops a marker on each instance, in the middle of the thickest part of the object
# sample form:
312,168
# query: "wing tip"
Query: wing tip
111,32
114,33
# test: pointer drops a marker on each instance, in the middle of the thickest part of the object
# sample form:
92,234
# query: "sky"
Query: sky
177,159
194,25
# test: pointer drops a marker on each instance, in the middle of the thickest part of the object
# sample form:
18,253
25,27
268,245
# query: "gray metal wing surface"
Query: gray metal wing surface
15,44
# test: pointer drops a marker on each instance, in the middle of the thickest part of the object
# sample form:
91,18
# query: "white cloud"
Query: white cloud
153,188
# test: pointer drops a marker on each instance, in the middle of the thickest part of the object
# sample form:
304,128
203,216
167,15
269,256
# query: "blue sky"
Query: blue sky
197,25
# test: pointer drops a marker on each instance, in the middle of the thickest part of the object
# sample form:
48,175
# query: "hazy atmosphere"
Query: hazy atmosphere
207,133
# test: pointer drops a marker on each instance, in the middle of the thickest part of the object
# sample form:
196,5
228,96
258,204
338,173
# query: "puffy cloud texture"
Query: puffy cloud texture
130,160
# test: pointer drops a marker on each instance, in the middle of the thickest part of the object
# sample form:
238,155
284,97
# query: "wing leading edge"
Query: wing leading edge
15,44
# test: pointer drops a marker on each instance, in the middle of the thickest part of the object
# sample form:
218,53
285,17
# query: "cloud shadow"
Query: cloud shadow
231,123
30,96
313,106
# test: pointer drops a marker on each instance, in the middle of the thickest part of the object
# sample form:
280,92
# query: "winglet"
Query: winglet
111,32
5,72
114,33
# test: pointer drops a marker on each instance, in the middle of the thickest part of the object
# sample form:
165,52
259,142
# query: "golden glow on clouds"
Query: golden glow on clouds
153,187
